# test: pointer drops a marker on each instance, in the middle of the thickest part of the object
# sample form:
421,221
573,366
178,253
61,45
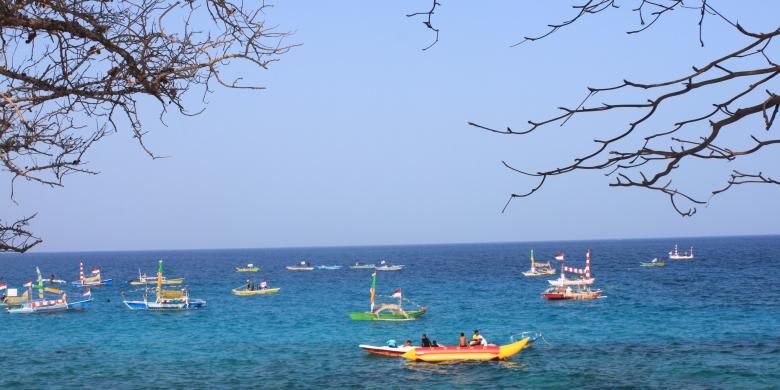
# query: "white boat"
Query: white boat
359,265
330,267
304,266
676,255
164,299
539,269
383,266
585,280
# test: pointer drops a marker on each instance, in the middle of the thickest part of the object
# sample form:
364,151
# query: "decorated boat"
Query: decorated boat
248,268
563,288
165,299
384,266
94,280
391,349
653,263
478,352
387,311
11,297
143,280
329,267
539,269
48,304
303,266
676,255
359,265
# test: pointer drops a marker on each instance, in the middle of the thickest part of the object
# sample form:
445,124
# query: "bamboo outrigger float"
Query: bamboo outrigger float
386,311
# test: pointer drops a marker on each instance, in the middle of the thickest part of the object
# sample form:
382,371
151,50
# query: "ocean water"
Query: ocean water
709,323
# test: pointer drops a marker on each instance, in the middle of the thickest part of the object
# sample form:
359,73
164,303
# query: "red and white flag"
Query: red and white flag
559,256
96,270
28,284
3,286
396,294
87,293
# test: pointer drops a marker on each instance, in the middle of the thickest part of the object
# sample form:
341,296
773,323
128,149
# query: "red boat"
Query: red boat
573,288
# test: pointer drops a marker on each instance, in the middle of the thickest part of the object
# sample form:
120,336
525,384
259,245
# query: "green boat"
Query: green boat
654,263
386,311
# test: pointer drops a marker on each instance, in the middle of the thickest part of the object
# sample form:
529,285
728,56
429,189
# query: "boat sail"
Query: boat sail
561,288
386,311
92,281
539,269
676,255
165,299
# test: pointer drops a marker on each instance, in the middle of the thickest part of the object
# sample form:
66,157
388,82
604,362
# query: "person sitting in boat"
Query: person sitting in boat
263,285
462,342
426,342
477,339
435,344
408,343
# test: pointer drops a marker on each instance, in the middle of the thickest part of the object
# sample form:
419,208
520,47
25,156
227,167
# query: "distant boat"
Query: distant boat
248,268
384,266
359,265
94,280
303,266
676,255
539,269
386,350
329,267
144,280
165,300
563,288
386,311
653,263
478,352
43,304
243,292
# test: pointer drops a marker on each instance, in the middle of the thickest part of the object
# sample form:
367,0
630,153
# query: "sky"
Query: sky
361,138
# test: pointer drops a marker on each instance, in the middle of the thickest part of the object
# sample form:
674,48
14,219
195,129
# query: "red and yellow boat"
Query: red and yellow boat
479,352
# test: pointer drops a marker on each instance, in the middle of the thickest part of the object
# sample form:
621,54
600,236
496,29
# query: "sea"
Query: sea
713,322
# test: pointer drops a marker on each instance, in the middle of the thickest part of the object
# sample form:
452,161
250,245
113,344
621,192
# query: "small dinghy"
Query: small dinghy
653,263
676,255
329,267
391,349
384,266
359,265
386,311
95,280
248,268
303,266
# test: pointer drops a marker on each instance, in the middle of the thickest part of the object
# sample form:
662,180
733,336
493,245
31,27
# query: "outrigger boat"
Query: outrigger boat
478,352
359,265
303,266
92,281
248,289
383,266
329,267
539,269
248,268
144,280
676,255
385,311
165,299
43,305
653,263
561,288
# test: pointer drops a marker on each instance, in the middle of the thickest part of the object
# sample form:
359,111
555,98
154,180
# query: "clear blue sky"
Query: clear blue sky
361,138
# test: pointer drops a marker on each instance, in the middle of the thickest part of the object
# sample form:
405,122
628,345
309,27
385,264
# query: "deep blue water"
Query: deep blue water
711,322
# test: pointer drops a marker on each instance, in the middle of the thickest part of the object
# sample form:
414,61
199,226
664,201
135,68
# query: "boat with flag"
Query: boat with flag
387,311
676,255
165,299
56,300
303,266
539,269
250,288
143,280
579,288
94,280
653,263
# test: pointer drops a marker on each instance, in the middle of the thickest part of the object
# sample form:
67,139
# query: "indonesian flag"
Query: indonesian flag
396,294
96,270
559,256
87,293
3,286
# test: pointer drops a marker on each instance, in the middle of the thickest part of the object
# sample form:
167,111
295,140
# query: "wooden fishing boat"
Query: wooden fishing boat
248,268
42,305
479,352
387,311
92,281
144,280
359,265
13,299
385,350
303,266
384,266
244,292
653,263
676,255
563,288
165,299
329,267
539,269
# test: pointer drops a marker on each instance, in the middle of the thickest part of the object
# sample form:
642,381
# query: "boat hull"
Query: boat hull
368,316
106,282
479,353
364,266
556,296
390,268
539,273
27,309
246,293
657,264
192,304
243,269
385,350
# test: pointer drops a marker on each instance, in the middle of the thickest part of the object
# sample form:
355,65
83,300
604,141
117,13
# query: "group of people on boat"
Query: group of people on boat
251,286
476,340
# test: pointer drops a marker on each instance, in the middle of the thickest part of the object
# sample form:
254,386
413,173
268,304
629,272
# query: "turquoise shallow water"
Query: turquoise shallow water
712,322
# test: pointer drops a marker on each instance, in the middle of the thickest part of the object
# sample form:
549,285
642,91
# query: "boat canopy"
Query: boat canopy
171,294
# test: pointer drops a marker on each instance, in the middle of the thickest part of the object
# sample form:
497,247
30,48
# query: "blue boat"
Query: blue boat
92,281
48,305
165,299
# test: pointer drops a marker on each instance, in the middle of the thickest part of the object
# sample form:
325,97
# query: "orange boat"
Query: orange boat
479,352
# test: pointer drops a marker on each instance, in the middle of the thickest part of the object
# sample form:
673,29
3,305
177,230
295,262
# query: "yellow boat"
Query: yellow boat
479,352
244,292
248,268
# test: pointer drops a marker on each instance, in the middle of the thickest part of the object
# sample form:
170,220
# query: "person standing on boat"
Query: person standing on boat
248,284
426,342
462,342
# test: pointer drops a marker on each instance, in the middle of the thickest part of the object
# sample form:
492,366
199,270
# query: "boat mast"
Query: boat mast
373,289
159,280
40,282
533,267
81,272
